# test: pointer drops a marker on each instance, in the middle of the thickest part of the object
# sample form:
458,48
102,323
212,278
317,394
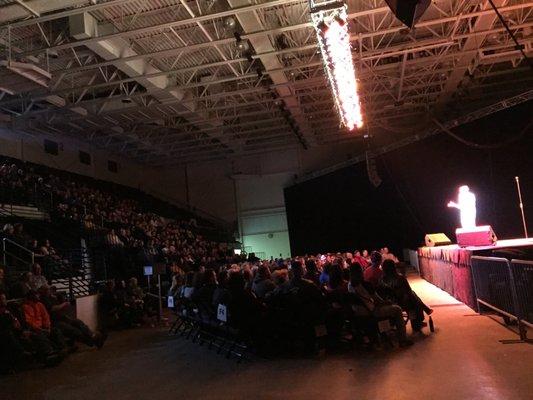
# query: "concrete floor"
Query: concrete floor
463,359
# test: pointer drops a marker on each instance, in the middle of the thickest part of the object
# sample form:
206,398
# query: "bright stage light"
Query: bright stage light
334,41
466,203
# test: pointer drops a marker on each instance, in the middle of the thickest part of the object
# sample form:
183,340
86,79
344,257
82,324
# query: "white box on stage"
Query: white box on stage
478,236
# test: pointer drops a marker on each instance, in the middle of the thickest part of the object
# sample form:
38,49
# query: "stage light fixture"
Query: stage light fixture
243,45
331,26
229,22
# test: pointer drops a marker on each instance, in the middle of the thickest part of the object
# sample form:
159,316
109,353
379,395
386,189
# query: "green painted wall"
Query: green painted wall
271,247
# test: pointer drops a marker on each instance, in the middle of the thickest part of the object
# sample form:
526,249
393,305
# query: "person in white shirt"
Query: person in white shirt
466,203
37,280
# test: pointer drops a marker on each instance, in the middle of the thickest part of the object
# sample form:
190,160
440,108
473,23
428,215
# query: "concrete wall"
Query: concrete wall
31,148
261,213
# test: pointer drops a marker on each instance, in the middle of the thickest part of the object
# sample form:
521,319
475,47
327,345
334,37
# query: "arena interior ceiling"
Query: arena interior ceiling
177,81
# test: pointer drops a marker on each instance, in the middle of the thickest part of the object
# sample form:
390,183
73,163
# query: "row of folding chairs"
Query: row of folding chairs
202,325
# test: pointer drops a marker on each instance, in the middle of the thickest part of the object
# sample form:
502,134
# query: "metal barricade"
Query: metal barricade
522,272
496,288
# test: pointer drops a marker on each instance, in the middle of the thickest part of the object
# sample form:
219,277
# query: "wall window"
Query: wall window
85,158
51,147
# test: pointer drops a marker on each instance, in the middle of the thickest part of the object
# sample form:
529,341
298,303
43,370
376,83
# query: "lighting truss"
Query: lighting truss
330,20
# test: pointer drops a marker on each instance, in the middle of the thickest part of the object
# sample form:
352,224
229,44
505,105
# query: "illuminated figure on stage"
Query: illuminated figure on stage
466,203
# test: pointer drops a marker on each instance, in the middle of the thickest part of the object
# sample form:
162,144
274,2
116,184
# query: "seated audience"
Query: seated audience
71,328
245,310
39,323
324,275
187,289
177,282
387,255
373,273
311,272
11,348
396,288
23,285
262,282
134,292
371,304
360,259
3,284
204,293
280,278
221,294
366,256
326,289
335,295
109,306
308,302
37,280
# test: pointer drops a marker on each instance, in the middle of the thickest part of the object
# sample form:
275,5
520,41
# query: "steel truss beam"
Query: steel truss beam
379,32
475,115
362,74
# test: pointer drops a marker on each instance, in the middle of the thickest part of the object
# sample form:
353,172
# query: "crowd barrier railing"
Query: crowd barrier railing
522,271
502,286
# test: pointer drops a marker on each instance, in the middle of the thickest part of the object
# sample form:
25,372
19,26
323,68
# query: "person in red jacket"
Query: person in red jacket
35,313
38,321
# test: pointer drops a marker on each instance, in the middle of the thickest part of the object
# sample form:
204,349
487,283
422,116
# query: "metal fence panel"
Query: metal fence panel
523,280
492,283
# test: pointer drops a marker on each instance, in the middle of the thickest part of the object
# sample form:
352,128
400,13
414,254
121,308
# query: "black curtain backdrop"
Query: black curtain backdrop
342,211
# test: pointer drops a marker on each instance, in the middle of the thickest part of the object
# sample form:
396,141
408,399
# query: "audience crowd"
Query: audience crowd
272,303
132,234
279,302
37,323
44,255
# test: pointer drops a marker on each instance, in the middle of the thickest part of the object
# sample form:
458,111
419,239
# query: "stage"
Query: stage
449,267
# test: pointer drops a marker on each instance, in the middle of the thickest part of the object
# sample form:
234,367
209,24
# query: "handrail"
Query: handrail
44,229
7,253
4,240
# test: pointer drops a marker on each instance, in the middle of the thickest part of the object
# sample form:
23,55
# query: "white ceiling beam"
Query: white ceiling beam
12,12
28,8
250,22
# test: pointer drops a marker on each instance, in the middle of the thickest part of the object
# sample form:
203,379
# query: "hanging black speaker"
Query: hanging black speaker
372,169
408,11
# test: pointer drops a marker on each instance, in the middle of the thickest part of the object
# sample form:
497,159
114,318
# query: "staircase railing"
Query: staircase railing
6,243
72,273
80,271
45,230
